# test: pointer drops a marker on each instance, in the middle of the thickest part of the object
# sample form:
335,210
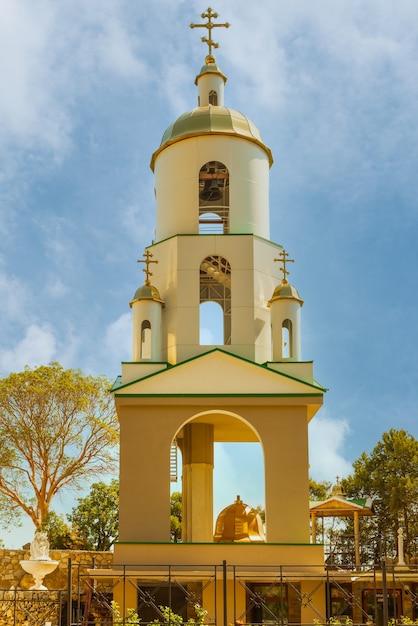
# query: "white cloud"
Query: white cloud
13,298
117,340
38,346
326,448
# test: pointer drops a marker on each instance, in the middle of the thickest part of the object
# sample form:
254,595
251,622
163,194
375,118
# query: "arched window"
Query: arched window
145,340
214,198
211,324
215,286
287,339
213,97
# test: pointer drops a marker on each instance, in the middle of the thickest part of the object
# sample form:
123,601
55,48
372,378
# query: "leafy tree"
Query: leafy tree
319,490
175,516
389,475
57,428
95,520
60,534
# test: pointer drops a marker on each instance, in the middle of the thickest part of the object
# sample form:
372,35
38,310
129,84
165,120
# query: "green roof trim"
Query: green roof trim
219,395
214,543
200,235
236,356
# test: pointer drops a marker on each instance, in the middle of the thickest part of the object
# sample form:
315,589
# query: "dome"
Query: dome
216,120
240,523
210,68
286,291
147,292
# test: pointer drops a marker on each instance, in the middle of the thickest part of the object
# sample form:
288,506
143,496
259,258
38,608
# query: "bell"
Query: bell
211,191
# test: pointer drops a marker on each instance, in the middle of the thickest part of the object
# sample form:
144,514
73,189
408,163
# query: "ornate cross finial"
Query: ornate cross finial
209,25
283,259
147,261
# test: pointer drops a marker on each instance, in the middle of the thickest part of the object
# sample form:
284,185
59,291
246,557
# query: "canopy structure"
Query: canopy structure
339,506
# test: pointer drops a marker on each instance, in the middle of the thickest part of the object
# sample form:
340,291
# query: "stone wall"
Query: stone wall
12,575
19,605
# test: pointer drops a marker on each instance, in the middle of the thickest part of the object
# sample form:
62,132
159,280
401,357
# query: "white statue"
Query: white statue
40,563
39,548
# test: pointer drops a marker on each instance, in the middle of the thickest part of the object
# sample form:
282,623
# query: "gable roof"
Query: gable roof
218,373
338,506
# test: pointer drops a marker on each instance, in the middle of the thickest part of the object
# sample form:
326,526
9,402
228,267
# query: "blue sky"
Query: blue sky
88,88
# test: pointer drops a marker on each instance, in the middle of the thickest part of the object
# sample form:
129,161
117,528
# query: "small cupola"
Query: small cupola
210,85
146,308
285,305
210,82
239,522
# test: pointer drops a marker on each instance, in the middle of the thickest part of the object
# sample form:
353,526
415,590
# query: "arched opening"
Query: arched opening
213,97
287,340
215,287
211,324
206,456
145,340
214,198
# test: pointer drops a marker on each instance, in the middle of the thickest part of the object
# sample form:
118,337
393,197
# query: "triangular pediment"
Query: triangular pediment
218,373
337,506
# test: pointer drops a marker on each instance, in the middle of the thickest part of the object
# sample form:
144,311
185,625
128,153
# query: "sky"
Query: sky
88,88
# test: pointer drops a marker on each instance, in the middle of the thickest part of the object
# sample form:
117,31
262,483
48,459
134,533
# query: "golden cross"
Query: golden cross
283,259
147,261
209,25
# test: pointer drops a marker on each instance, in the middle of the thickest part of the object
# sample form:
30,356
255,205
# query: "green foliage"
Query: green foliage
95,519
168,616
175,517
319,490
336,621
131,617
57,428
389,475
59,533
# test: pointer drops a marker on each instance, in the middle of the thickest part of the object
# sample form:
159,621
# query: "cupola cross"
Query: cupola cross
283,259
209,25
147,261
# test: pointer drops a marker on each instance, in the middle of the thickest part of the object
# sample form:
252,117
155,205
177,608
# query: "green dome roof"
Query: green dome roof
217,120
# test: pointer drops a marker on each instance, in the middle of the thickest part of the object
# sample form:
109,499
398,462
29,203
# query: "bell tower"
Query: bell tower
213,244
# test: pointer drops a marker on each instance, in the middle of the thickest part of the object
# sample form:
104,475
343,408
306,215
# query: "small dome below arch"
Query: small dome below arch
147,292
285,291
239,522
210,68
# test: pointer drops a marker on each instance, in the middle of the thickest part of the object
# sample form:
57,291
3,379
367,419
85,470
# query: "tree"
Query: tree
95,520
319,490
57,428
60,534
175,516
389,475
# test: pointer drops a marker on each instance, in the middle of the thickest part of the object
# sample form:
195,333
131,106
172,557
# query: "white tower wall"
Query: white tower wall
280,311
146,311
253,277
210,82
177,170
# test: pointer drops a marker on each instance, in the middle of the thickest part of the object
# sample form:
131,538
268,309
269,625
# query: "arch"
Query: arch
211,323
287,339
215,286
204,455
213,97
214,198
146,340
